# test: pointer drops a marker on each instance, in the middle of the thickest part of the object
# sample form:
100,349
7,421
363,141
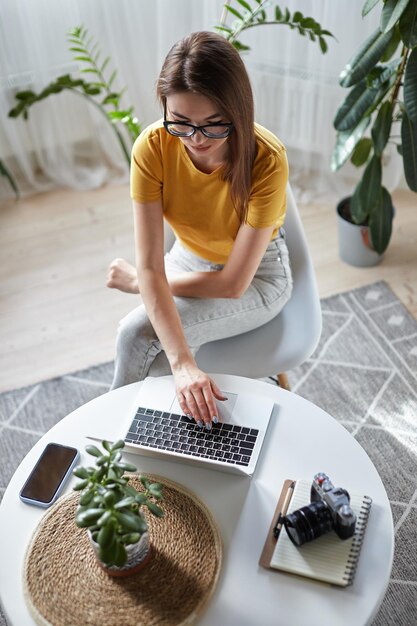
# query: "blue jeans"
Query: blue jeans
139,352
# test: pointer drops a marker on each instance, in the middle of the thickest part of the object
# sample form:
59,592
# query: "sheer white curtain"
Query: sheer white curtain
66,141
297,92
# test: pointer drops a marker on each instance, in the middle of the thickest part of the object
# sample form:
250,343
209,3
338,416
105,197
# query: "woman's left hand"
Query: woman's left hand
196,392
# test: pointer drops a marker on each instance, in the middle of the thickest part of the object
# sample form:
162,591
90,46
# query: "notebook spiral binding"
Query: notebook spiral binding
361,523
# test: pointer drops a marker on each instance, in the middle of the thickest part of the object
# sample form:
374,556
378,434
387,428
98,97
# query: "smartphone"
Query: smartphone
49,475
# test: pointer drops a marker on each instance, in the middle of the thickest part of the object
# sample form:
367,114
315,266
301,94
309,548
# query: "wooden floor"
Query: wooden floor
56,314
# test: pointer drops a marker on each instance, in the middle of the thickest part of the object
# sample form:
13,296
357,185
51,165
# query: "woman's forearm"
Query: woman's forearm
164,317
202,285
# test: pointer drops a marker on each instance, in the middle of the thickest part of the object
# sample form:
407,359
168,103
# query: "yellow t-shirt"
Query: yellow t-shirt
198,206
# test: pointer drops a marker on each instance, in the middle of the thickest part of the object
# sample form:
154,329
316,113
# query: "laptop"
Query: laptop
156,427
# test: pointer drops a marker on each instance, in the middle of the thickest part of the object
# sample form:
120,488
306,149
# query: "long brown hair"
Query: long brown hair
207,64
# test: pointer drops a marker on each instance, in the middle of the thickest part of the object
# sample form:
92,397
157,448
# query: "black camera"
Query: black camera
329,510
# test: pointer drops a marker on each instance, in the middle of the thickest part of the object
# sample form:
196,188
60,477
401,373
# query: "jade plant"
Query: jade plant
99,91
111,508
382,76
250,15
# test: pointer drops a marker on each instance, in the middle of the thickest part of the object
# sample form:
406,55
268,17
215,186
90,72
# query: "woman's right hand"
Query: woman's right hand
196,393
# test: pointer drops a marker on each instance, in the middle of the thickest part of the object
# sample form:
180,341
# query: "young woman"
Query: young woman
219,180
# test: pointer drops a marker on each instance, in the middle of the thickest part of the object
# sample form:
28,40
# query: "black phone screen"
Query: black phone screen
48,473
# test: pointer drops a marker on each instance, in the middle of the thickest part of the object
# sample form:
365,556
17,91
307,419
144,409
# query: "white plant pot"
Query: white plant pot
355,246
137,556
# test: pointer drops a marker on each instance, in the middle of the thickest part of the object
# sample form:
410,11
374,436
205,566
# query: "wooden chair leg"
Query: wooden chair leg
283,381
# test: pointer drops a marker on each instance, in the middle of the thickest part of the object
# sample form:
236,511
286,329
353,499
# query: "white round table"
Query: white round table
301,440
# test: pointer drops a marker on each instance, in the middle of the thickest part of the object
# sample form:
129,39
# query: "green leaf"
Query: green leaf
393,45
131,522
109,498
81,485
357,102
380,222
297,17
112,77
224,28
131,538
155,509
118,445
104,519
240,47
382,127
87,518
105,63
368,6
367,192
245,5
141,498
346,141
77,49
365,59
308,22
361,152
124,502
234,11
86,498
410,86
80,472
357,211
121,555
323,45
67,81
156,490
278,13
391,13
145,482
105,536
409,147
82,58
25,95
107,555
408,25
106,445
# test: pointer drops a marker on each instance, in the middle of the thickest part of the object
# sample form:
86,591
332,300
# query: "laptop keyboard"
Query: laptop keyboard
176,433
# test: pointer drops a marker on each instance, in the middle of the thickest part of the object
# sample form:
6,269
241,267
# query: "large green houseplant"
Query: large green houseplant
382,77
112,509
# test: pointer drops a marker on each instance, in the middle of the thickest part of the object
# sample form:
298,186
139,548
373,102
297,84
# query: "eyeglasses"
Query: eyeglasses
219,130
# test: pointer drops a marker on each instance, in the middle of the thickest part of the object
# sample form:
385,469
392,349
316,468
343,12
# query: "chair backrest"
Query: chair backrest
287,340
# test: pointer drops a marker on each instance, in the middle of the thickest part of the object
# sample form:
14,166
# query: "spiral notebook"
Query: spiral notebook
326,558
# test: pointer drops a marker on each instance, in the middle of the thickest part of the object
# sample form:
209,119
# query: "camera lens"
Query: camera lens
308,523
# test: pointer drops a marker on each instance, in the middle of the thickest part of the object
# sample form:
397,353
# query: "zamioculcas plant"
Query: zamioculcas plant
249,15
382,77
99,91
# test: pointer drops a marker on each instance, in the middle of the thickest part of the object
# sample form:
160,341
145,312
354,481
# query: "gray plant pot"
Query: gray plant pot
355,246
138,555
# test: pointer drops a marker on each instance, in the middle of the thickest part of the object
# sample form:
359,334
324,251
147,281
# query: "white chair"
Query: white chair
287,340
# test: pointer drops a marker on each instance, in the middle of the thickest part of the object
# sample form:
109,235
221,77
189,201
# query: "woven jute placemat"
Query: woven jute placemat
65,586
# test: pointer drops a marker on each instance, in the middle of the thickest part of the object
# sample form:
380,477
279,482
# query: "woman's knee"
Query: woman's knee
134,329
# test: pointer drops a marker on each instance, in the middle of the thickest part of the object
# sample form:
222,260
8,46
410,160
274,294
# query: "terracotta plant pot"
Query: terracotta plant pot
138,556
355,245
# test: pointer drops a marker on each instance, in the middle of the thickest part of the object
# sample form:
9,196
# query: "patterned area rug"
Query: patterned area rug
364,373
